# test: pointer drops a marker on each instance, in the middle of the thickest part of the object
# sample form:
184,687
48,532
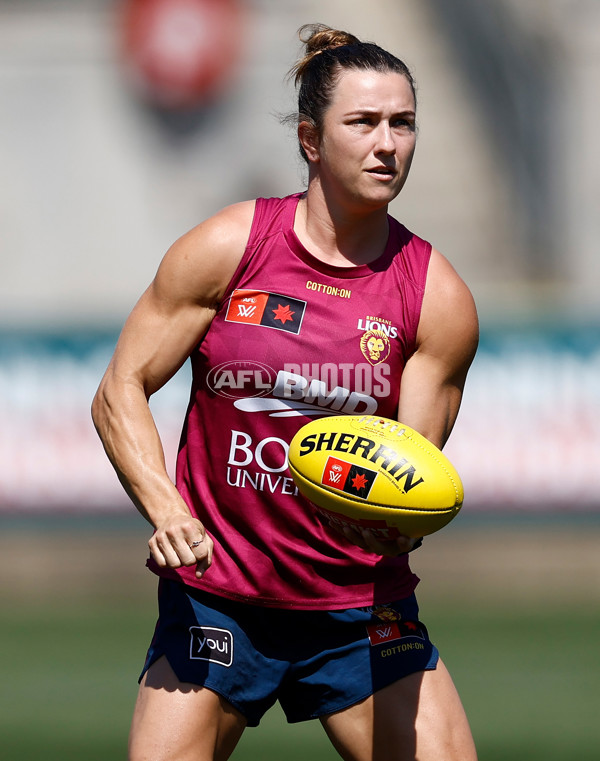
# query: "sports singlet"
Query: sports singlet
294,338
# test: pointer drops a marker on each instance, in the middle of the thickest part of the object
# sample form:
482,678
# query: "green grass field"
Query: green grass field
519,629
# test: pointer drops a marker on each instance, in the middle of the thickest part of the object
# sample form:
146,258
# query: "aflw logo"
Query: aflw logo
266,310
246,310
347,477
379,633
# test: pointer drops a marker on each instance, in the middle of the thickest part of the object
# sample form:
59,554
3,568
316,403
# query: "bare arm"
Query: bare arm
434,377
167,322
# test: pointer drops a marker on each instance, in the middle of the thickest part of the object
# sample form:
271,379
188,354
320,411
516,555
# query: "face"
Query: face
375,347
366,146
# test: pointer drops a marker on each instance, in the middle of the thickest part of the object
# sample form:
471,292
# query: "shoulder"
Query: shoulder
448,314
443,280
411,252
218,241
200,264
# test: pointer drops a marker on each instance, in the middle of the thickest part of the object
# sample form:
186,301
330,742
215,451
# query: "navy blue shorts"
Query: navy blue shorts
314,662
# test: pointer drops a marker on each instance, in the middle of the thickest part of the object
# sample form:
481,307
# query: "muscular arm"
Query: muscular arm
434,377
168,321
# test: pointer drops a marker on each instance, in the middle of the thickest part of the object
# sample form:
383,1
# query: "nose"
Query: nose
385,138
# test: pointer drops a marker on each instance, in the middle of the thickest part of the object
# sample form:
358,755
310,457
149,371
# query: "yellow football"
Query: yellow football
375,472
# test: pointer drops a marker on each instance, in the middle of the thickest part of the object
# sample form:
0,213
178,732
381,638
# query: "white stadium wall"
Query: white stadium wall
527,437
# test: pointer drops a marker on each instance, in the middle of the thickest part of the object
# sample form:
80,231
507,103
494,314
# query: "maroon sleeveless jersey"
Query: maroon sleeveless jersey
294,338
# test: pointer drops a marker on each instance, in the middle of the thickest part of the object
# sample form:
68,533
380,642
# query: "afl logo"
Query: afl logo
375,346
241,379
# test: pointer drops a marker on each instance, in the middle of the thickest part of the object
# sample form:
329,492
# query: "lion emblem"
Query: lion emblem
375,346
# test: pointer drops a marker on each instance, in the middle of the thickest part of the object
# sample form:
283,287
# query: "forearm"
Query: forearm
132,443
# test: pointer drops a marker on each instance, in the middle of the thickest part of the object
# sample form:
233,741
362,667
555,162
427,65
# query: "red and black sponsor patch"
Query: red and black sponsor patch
347,477
268,310
386,631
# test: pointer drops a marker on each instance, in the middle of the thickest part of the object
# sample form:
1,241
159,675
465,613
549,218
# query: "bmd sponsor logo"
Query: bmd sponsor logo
294,394
210,644
307,389
240,379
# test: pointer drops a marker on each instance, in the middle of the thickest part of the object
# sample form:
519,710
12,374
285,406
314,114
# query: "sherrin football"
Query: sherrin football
377,473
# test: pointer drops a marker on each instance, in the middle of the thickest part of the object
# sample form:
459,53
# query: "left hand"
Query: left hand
369,541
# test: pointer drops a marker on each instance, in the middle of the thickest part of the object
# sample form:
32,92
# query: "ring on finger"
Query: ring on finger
195,544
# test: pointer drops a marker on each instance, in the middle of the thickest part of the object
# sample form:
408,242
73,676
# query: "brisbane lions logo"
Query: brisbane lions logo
375,345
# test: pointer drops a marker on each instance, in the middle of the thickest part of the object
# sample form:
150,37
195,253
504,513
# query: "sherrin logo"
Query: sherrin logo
397,468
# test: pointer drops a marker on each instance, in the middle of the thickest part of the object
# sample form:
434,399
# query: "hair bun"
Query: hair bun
317,38
320,37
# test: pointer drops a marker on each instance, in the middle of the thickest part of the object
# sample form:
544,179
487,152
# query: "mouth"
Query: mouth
384,172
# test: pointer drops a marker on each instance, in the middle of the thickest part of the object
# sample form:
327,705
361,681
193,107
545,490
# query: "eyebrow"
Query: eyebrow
371,111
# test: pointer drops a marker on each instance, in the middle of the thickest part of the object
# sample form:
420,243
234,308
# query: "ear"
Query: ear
309,140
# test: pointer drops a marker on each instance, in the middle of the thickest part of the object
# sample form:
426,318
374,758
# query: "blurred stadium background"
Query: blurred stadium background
125,122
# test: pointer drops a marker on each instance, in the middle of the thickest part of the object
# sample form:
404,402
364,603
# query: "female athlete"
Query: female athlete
291,308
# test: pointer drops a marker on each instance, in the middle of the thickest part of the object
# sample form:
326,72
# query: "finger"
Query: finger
404,544
156,554
182,543
202,551
354,535
203,565
163,552
387,547
177,549
377,546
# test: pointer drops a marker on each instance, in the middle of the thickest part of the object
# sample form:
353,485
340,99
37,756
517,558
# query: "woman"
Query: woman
291,308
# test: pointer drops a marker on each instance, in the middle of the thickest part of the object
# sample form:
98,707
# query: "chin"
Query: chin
378,200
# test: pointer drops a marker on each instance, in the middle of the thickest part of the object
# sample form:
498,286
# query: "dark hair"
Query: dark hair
327,52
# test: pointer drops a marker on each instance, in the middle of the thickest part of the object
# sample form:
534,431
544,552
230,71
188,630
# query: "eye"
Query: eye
403,122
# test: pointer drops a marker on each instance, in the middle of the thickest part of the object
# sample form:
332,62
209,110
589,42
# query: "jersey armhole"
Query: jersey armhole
419,266
270,214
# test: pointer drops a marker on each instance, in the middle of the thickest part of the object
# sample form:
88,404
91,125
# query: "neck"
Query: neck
338,235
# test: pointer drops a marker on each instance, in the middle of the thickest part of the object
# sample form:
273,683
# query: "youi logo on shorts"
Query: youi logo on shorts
210,644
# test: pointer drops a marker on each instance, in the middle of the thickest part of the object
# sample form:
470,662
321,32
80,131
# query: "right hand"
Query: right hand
171,542
369,541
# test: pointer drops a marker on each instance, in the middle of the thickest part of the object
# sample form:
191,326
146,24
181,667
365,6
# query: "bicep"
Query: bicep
433,380
156,339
